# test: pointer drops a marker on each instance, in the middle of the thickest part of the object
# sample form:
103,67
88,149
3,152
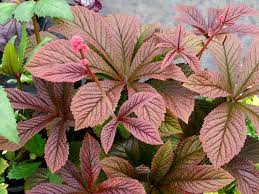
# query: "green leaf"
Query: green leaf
123,131
36,145
3,188
162,161
7,119
10,61
54,9
3,165
170,126
74,150
23,44
6,12
189,151
24,11
23,170
54,178
41,175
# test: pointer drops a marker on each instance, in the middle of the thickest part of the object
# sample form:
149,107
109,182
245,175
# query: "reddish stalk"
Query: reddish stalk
95,79
36,29
209,40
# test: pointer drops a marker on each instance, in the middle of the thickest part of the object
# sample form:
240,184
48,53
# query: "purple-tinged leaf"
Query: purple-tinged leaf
50,188
135,101
228,57
71,176
89,159
246,175
108,135
68,72
179,100
24,100
249,72
52,56
120,185
124,30
207,85
26,129
192,16
223,134
199,179
142,130
154,110
241,28
250,150
117,167
56,149
90,107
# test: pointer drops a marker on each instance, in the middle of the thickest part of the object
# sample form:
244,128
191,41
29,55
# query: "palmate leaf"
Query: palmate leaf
52,104
93,28
179,100
189,152
153,111
89,159
7,119
120,185
223,133
180,43
246,175
73,182
117,167
139,128
89,106
162,161
54,9
230,14
199,179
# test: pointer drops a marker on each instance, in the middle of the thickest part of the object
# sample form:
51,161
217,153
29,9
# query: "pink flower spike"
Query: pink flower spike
84,61
76,43
221,19
84,48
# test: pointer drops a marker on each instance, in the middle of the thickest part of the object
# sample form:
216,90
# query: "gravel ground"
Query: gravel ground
163,11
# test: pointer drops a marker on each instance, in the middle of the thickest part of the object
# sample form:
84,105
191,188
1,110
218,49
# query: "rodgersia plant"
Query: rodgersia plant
173,127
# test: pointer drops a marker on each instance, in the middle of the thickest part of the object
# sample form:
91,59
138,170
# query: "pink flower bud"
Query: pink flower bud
221,19
77,43
84,61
